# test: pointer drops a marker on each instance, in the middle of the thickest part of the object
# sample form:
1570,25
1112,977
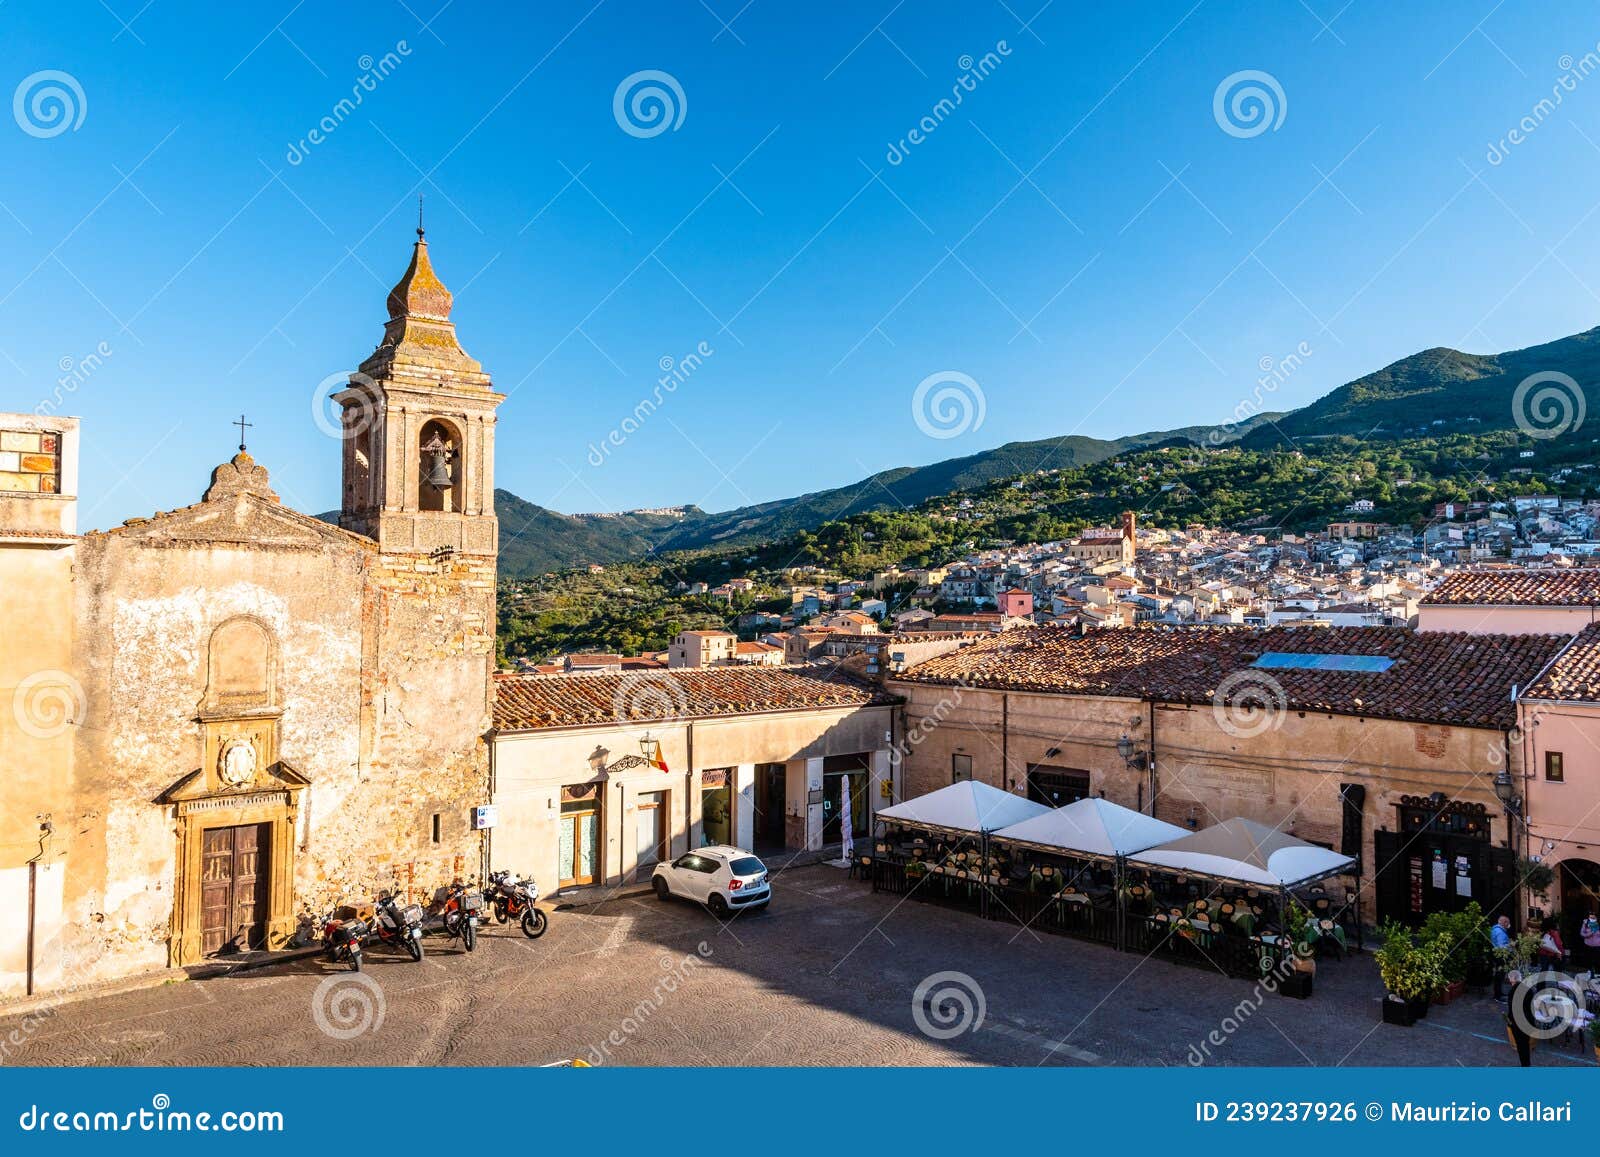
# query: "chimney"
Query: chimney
1128,518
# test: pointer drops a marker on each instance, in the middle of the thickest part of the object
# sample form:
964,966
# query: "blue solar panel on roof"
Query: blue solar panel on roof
1283,660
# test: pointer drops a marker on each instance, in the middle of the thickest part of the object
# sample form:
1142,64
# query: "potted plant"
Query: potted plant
1536,875
1518,958
1411,972
1393,957
1300,929
1451,931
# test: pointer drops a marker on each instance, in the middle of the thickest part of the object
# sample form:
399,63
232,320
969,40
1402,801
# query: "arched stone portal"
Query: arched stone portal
236,813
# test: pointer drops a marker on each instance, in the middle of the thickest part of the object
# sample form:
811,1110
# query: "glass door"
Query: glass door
579,853
649,832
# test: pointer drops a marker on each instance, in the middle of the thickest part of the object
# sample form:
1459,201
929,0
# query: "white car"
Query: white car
720,877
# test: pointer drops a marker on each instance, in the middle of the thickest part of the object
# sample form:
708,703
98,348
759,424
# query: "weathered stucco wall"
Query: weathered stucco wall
39,699
147,610
1550,620
531,767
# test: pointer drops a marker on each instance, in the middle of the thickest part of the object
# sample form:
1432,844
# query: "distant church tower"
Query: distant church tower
419,430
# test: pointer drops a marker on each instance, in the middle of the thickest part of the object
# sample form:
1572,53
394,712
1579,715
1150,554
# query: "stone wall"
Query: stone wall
1288,773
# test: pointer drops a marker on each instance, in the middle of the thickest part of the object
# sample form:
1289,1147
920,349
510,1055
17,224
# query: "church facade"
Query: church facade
223,718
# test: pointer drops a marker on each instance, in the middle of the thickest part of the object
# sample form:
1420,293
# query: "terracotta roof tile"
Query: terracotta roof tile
1577,587
1436,677
1575,674
523,703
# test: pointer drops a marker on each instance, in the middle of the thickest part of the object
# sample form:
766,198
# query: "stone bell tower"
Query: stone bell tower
418,428
418,425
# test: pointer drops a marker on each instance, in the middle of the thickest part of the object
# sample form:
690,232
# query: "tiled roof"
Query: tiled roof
1578,587
524,704
1575,675
1437,676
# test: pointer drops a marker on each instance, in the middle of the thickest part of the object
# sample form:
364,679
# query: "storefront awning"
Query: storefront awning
1092,827
1248,852
964,807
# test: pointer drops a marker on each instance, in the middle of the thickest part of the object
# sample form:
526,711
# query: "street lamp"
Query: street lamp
1125,749
649,746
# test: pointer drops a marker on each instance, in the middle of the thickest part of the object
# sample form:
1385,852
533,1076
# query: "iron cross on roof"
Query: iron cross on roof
243,425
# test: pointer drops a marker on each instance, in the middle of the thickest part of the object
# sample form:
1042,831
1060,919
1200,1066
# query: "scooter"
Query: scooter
399,926
514,899
342,940
462,909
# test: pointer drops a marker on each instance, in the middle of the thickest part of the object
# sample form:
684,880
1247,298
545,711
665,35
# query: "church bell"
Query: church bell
438,462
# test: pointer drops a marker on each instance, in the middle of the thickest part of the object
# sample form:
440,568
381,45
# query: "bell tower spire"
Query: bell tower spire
418,428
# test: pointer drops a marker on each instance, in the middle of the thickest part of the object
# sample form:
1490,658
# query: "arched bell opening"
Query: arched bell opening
441,473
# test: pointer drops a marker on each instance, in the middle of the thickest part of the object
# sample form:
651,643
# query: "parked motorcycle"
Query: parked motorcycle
396,925
462,909
513,899
342,940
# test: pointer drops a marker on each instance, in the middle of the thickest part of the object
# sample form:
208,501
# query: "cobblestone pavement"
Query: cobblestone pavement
826,977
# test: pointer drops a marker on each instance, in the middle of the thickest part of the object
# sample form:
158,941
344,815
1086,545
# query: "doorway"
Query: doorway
771,787
650,832
233,889
716,806
1580,897
841,774
1057,786
578,855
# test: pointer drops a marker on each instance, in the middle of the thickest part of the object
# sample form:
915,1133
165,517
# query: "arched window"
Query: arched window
441,470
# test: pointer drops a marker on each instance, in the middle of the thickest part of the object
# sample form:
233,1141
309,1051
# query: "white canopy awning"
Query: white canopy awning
967,807
1093,827
1251,853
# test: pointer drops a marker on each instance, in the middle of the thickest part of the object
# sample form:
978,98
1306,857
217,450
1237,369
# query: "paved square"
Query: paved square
826,977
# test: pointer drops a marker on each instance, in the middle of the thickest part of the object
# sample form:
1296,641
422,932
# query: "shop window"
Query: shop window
960,768
1554,770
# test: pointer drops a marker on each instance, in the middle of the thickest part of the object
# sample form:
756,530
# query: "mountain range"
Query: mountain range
1435,386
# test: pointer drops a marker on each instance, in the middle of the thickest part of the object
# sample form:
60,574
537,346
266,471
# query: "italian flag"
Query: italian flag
658,761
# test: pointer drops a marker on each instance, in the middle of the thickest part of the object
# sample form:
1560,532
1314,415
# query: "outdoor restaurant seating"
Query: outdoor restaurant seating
1219,898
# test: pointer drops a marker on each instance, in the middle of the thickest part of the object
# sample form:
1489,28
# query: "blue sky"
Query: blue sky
1082,238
